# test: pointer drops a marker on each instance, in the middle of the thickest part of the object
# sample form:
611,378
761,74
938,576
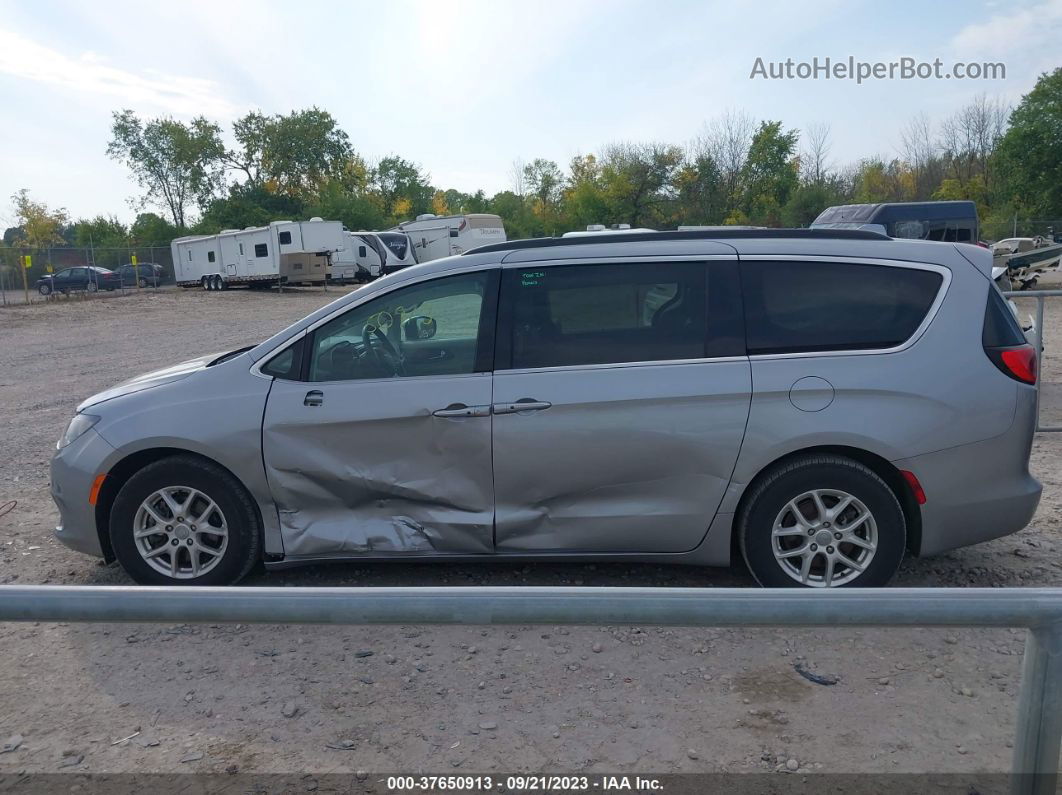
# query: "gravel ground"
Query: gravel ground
460,699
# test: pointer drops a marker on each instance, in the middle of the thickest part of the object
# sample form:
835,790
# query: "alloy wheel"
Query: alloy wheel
180,532
824,538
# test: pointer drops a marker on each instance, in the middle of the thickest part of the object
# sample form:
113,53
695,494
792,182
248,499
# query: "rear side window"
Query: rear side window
793,307
1001,327
284,238
567,315
261,250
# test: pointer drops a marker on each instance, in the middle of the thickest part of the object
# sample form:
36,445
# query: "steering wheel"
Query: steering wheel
384,355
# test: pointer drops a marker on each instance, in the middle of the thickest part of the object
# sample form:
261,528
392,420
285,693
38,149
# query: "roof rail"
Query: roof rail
628,237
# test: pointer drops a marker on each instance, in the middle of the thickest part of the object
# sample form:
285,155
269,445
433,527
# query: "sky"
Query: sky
465,88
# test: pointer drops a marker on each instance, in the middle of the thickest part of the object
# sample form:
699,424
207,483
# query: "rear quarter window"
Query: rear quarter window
797,307
1001,329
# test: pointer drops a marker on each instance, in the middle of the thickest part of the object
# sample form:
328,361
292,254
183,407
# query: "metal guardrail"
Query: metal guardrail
1039,295
1039,610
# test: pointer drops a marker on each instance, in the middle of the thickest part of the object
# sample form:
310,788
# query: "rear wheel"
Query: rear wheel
142,282
184,521
205,282
92,287
822,522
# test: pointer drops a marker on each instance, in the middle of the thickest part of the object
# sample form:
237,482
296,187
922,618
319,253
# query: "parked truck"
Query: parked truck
285,252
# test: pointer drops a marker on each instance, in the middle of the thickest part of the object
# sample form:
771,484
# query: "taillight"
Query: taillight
1020,363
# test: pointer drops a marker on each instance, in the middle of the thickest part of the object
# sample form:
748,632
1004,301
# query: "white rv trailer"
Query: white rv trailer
285,252
435,236
367,255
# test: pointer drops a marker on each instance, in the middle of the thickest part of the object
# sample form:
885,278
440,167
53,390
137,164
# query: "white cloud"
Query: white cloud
91,74
1015,32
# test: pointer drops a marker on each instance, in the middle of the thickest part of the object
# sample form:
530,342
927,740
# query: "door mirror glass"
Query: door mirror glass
420,327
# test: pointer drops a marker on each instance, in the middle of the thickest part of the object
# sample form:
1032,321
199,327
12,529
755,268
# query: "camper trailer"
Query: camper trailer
285,252
368,255
435,236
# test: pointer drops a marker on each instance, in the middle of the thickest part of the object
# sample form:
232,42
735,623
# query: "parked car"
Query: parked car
88,278
818,402
144,274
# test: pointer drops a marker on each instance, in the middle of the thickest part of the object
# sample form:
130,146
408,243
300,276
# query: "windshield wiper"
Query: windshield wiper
231,355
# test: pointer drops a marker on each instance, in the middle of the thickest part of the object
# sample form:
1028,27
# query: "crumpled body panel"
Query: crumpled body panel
626,459
371,470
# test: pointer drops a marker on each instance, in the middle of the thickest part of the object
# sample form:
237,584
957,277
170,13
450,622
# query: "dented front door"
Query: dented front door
361,461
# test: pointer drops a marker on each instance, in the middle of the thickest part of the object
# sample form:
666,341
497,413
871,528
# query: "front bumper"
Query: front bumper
74,468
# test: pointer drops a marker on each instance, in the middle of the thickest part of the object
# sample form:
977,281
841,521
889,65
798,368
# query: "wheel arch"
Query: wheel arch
882,467
120,473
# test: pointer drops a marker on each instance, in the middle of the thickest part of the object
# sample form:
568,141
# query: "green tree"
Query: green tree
357,210
515,213
150,229
770,173
294,154
402,187
638,182
247,206
177,165
701,191
584,200
101,232
544,180
1030,152
37,226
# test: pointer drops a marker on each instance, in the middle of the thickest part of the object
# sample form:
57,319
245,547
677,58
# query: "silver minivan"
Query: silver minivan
817,402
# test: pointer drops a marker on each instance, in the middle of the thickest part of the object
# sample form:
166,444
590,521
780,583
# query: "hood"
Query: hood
156,378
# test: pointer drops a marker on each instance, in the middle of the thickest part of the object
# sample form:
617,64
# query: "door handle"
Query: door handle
461,410
315,397
520,406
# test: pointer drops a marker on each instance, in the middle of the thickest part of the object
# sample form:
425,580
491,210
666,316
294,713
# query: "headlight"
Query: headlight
77,426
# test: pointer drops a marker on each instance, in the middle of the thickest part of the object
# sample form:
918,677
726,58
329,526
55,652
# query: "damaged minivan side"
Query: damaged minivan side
668,397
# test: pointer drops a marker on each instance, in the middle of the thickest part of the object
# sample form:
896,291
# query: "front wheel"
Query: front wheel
44,289
184,521
142,283
822,522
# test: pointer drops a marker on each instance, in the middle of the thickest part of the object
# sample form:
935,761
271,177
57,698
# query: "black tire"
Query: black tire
244,534
772,493
44,289
141,283
205,282
92,287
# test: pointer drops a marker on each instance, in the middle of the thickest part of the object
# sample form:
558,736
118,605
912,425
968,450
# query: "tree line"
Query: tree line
739,170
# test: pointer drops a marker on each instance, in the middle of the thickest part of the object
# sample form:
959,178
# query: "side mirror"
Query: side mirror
420,327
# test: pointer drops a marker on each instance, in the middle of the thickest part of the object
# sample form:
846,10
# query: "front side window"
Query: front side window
284,238
568,315
261,250
438,327
793,307
210,256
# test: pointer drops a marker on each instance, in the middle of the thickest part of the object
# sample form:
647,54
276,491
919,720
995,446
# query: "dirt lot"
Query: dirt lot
400,699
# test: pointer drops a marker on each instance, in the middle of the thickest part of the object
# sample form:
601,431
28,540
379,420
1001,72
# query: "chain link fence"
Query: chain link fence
1016,226
52,260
